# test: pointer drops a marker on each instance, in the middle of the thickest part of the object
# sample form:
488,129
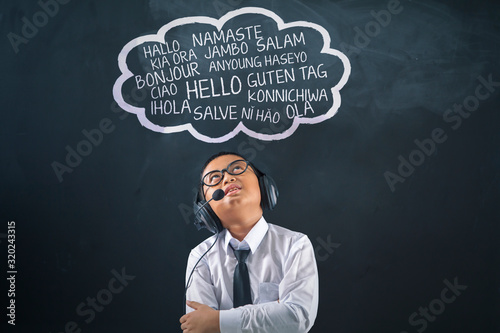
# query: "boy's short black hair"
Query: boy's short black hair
219,154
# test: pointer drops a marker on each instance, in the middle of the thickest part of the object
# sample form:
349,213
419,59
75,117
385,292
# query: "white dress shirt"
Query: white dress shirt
283,280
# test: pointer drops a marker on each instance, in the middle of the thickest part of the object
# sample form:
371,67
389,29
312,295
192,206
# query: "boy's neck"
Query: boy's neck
240,230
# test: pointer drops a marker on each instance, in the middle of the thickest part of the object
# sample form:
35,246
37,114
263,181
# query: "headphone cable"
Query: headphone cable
192,271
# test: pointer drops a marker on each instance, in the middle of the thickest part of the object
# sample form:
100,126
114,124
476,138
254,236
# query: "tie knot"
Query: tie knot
241,255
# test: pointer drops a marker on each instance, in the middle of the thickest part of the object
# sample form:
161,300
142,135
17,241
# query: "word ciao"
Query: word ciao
170,64
210,88
231,70
207,88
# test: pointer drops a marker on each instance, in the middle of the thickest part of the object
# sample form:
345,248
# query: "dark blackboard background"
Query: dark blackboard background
121,207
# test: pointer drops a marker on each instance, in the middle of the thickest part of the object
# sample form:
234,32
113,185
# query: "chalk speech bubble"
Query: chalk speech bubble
246,72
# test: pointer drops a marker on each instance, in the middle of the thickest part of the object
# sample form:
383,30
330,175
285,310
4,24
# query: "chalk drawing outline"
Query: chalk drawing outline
219,23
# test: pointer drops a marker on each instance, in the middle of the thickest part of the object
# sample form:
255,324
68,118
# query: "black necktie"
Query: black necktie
241,281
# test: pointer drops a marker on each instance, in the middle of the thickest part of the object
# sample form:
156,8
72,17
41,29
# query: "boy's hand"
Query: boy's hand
203,319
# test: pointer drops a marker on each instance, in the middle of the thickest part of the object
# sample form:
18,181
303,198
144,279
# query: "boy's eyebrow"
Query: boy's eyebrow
206,173
237,159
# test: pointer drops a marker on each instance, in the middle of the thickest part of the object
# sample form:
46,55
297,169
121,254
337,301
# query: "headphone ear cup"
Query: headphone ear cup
213,221
268,191
206,218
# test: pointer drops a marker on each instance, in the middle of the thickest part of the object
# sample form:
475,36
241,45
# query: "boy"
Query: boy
258,277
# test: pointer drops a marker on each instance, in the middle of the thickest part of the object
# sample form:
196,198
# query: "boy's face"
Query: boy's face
242,192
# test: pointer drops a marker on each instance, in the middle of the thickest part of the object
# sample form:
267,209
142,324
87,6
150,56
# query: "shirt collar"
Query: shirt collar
252,239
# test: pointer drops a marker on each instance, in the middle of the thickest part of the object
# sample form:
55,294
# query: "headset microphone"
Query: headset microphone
218,195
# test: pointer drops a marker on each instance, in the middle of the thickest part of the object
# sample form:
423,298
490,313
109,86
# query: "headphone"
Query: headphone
206,218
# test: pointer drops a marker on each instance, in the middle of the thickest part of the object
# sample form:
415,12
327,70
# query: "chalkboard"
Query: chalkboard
376,118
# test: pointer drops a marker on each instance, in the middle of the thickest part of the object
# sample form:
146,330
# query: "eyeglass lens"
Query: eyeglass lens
234,168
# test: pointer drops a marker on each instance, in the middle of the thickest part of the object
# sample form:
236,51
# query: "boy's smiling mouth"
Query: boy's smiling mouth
232,189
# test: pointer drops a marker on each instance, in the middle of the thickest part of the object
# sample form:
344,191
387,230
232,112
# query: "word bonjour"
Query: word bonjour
427,146
170,64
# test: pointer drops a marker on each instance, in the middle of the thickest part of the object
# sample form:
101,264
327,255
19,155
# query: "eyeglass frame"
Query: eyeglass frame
227,171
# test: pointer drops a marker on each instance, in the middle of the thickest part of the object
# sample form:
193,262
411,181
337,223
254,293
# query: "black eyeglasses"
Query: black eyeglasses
234,168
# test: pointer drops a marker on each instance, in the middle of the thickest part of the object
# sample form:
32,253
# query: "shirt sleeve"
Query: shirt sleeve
296,310
200,289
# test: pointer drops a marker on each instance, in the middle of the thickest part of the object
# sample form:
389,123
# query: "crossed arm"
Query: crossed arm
295,311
